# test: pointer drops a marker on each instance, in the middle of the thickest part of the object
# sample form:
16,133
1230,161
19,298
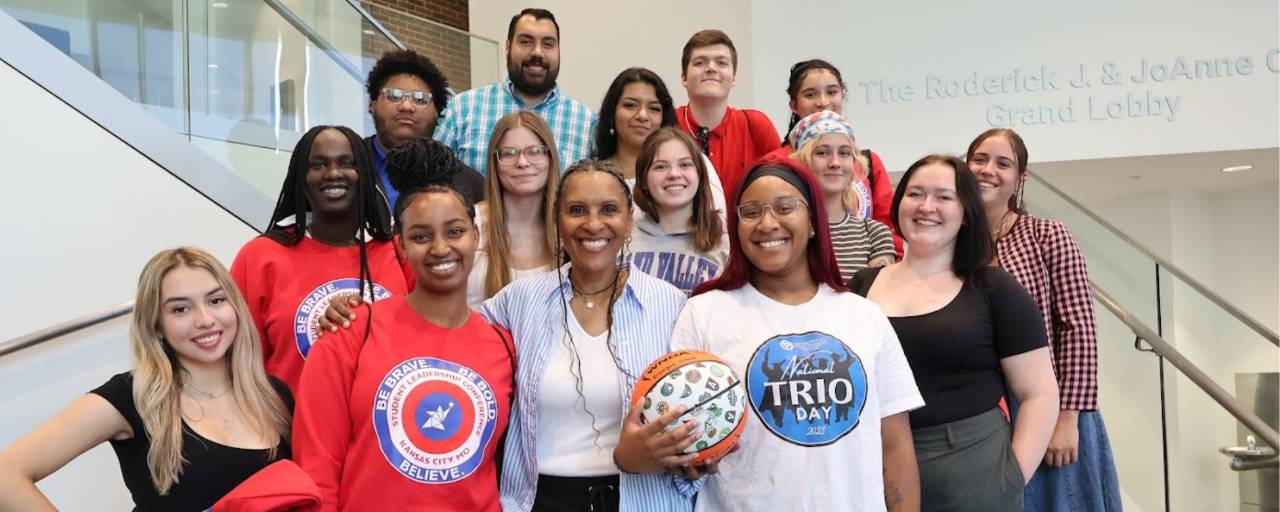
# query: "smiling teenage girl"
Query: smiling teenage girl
678,235
405,409
196,415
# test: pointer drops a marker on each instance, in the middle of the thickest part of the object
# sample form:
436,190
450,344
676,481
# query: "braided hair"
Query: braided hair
373,219
424,166
624,259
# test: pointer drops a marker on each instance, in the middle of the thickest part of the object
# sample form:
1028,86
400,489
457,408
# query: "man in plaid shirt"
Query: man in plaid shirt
533,62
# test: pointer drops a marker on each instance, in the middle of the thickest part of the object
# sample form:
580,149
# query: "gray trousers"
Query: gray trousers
968,465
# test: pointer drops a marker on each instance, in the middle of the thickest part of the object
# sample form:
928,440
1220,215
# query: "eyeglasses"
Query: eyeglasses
397,95
531,153
781,207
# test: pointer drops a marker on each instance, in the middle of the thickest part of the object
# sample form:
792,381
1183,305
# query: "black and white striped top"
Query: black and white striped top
858,241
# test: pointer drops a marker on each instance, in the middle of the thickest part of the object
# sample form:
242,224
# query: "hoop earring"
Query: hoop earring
624,256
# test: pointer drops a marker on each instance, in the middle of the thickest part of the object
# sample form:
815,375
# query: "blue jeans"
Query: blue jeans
1089,485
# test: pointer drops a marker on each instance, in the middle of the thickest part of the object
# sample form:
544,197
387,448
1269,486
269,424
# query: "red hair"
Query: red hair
822,258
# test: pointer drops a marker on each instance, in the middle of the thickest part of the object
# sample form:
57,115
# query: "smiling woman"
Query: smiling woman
516,233
825,375
608,321
193,419
436,379
328,225
969,330
679,236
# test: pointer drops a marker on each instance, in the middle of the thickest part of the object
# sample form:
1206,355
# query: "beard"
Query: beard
532,86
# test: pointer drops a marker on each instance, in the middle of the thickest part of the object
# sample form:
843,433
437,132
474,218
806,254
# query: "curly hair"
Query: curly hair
408,62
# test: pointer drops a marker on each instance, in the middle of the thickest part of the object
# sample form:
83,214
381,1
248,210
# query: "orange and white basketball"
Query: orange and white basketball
707,386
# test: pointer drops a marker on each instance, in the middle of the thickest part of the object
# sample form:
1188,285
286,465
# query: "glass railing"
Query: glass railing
1166,432
243,79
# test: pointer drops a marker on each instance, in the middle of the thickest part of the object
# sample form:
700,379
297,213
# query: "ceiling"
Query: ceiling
1096,180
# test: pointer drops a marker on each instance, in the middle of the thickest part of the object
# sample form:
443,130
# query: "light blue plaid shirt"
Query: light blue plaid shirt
469,119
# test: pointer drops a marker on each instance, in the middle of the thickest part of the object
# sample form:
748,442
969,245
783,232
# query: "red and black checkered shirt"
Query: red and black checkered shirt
1041,255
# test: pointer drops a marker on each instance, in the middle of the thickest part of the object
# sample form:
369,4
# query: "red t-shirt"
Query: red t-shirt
881,194
742,137
408,419
288,289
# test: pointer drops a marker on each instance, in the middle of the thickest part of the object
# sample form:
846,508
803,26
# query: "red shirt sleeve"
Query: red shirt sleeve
764,136
248,279
882,200
321,421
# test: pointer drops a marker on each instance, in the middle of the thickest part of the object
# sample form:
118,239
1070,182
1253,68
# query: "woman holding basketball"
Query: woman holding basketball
608,321
824,375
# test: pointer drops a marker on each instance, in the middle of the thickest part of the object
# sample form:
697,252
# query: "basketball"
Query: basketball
707,386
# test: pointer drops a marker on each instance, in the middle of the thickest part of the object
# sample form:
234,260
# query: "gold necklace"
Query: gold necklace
1005,224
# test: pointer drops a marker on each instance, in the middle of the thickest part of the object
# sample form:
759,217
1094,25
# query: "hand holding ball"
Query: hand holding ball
707,387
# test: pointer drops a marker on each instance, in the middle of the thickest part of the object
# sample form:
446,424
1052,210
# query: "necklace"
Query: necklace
1005,225
202,393
587,296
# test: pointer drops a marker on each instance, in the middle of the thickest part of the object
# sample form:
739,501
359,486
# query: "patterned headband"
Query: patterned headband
817,124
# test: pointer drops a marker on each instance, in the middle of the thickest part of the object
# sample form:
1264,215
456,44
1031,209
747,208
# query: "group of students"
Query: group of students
453,354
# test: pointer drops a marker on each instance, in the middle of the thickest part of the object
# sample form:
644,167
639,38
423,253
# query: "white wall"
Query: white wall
600,39
906,42
89,211
84,212
1229,241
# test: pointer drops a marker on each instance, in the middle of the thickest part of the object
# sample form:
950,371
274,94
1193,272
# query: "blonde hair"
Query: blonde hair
848,200
158,377
497,243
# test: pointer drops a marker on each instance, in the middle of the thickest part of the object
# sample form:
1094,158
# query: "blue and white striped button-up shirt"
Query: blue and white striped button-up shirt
469,119
643,318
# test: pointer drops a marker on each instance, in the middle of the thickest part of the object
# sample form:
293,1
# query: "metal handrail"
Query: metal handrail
1240,315
355,4
64,328
1161,347
316,39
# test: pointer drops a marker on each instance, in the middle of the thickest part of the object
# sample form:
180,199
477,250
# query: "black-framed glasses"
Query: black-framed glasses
704,140
781,207
531,153
397,95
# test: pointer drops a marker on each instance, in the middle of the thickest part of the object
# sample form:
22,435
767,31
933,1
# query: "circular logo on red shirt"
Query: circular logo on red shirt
306,322
434,419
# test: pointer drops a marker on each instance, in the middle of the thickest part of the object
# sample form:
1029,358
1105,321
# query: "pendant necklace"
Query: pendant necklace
590,302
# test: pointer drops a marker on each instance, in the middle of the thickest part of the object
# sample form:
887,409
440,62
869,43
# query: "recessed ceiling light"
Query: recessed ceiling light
219,5
213,66
1237,168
